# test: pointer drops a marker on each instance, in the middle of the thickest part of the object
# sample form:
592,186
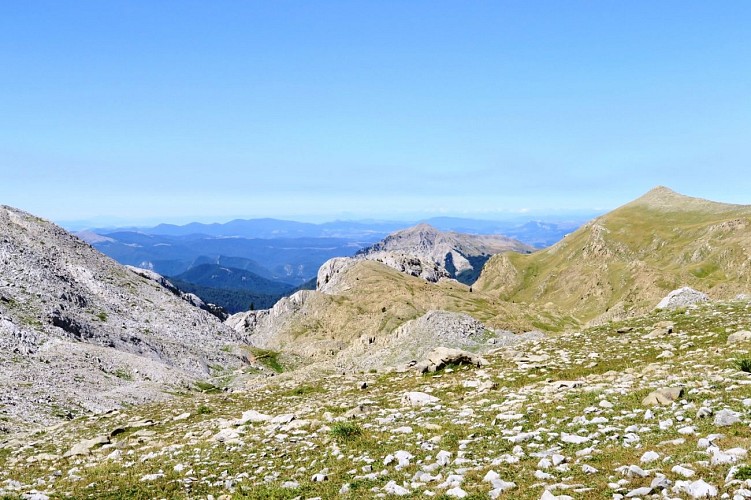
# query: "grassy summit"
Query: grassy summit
623,262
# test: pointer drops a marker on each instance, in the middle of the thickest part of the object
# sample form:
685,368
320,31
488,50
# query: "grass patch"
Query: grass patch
743,472
206,387
345,431
269,359
204,410
303,390
123,374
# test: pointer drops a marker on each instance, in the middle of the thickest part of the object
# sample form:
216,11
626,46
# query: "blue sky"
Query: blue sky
316,109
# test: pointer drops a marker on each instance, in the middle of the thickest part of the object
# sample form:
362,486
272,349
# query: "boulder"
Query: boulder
443,356
740,336
84,447
726,417
252,416
418,399
663,396
682,297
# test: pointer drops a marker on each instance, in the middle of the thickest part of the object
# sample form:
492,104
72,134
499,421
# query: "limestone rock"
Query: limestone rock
663,396
252,416
440,254
682,297
695,489
190,298
726,418
84,447
90,333
328,274
418,399
740,336
412,265
443,356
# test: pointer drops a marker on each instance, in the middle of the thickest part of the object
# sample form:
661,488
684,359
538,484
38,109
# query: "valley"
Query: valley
559,375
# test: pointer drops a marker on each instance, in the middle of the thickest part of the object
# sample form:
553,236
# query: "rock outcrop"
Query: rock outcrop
412,265
682,297
329,273
444,356
454,255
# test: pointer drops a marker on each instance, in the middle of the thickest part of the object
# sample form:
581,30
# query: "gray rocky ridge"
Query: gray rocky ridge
79,332
424,252
456,254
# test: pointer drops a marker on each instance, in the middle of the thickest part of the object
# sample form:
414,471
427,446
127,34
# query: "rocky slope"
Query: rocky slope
360,306
460,255
80,333
655,407
622,263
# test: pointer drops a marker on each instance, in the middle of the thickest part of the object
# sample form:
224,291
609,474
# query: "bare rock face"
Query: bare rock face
190,298
682,297
329,275
456,255
79,332
256,327
330,272
412,265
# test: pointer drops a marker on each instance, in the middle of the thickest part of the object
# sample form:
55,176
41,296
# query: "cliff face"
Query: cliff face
80,332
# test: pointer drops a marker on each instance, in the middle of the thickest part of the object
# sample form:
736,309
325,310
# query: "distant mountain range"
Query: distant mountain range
290,260
268,258
537,233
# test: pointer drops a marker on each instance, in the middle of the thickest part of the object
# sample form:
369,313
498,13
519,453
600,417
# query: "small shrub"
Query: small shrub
123,374
345,431
269,359
743,364
204,410
206,387
102,316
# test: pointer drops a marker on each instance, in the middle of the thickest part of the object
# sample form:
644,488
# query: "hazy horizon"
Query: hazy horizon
114,222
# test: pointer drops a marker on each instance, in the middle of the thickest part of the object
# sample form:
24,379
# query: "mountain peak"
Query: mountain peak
422,227
664,198
460,255
659,195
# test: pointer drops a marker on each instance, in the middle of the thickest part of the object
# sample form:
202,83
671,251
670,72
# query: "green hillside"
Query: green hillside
622,263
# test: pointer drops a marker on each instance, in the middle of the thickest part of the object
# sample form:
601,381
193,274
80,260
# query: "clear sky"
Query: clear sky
318,109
